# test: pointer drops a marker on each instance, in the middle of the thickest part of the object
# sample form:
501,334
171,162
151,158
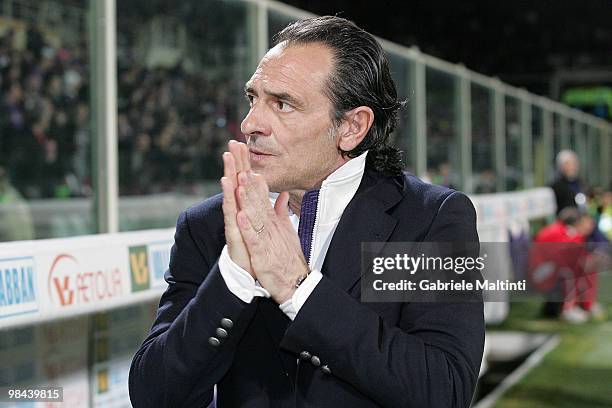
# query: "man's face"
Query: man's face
570,167
288,127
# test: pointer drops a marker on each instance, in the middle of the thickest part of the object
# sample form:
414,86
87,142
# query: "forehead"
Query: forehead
300,69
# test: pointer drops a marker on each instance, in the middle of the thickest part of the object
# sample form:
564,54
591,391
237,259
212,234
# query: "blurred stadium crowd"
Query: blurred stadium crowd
44,117
172,124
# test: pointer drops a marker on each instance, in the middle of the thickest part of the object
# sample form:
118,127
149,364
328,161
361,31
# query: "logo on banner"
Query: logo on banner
70,283
17,286
102,377
159,260
139,268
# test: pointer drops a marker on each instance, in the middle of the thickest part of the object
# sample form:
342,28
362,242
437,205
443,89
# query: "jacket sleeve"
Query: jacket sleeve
430,359
177,365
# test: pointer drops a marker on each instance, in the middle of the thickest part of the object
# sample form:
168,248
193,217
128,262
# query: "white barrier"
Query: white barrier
58,278
43,280
505,210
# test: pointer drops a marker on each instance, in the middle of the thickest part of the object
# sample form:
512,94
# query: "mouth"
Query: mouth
257,155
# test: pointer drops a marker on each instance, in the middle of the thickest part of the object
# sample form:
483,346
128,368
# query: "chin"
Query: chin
276,182
271,181
277,186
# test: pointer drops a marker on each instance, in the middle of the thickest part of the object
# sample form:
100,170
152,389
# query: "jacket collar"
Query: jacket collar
365,219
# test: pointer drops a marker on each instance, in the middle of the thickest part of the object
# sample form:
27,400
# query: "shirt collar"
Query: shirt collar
344,174
349,170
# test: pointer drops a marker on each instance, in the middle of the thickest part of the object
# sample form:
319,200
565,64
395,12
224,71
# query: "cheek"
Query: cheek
308,150
304,143
302,134
290,141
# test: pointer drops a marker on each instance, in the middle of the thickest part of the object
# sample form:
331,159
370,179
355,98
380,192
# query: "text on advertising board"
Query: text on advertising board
70,284
17,286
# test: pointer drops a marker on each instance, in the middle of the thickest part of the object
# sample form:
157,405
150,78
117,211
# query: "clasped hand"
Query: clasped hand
260,237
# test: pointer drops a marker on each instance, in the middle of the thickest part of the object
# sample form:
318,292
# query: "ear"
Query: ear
355,126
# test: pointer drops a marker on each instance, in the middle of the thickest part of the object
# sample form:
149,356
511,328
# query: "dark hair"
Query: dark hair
360,77
569,215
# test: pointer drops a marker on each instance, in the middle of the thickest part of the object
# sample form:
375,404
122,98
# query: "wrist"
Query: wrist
293,285
300,279
286,295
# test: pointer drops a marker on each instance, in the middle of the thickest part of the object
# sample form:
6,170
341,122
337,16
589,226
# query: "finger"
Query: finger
244,154
260,183
281,205
229,203
257,193
229,167
251,238
250,208
234,147
232,232
263,193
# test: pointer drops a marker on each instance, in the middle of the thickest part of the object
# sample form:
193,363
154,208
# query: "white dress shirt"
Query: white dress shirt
337,190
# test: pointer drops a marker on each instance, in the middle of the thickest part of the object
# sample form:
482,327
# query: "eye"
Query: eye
249,98
284,106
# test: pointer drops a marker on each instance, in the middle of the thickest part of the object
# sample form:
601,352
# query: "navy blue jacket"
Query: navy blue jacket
367,354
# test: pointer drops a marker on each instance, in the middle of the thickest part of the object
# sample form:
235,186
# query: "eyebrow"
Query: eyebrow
284,96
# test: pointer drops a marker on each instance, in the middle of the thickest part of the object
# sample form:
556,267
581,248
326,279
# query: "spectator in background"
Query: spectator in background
567,186
572,276
445,176
605,216
487,183
569,191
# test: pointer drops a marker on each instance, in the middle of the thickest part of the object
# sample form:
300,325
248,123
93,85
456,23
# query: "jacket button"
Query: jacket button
315,361
213,341
304,355
325,369
227,323
221,333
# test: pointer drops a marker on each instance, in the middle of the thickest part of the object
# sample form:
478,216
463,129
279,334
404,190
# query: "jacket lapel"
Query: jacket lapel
365,219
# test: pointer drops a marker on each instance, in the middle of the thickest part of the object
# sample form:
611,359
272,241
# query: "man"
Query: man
272,316
577,284
567,188
569,191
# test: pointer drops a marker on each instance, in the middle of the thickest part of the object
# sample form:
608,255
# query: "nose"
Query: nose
255,123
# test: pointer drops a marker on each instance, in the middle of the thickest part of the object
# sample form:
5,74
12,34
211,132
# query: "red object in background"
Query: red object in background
557,232
557,260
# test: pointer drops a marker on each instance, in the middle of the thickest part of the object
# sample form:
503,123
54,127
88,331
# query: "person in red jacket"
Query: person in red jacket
571,273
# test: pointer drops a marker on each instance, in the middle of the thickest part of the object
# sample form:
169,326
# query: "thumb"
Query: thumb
282,204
